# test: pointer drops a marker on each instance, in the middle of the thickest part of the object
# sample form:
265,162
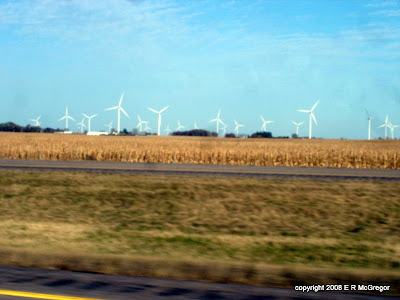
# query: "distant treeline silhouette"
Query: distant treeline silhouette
195,132
12,127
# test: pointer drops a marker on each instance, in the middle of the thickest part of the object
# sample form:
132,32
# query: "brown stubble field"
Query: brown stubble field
376,154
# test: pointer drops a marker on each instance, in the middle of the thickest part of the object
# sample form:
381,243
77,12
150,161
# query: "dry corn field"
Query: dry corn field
377,154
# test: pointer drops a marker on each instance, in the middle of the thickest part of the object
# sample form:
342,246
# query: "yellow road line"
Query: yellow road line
199,171
41,296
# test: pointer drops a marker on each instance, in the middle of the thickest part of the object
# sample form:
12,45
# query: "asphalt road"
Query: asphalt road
154,168
63,285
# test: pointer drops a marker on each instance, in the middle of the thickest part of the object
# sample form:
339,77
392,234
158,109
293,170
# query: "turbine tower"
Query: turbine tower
119,108
140,124
167,130
386,125
264,125
180,126
297,126
392,127
195,125
369,125
109,126
237,128
218,120
66,117
89,118
159,117
81,125
36,121
312,117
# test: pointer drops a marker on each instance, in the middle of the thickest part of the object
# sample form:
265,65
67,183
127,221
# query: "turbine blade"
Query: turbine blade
111,108
303,110
213,120
153,110
262,118
85,115
62,118
124,112
315,105
69,117
93,116
164,109
313,117
120,99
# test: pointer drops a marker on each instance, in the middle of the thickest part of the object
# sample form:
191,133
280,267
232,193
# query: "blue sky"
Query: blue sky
244,57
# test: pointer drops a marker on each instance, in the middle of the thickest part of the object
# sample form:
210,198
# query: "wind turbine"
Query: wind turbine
297,126
147,127
119,108
36,121
386,125
195,125
81,125
237,128
167,130
66,117
218,120
180,126
224,129
392,127
89,118
264,125
109,126
369,124
312,116
141,122
159,117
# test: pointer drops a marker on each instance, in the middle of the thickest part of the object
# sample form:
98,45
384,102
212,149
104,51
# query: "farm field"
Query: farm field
375,154
317,229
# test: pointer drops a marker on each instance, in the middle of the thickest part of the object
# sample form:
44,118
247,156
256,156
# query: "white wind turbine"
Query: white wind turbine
147,128
224,129
312,117
140,124
218,121
89,118
195,125
81,125
159,117
109,126
297,126
36,121
386,125
66,117
369,124
237,128
180,126
392,127
167,130
119,108
264,125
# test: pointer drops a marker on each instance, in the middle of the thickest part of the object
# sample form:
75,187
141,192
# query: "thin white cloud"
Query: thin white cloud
383,3
387,12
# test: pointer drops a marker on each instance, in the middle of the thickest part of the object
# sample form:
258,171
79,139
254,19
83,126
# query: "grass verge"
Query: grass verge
277,232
